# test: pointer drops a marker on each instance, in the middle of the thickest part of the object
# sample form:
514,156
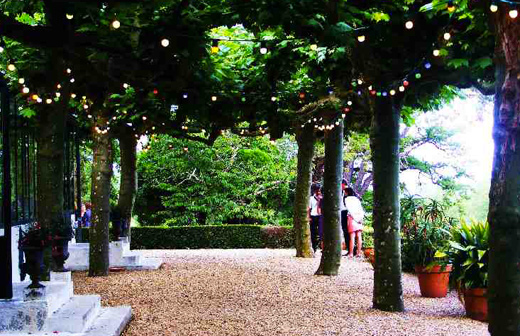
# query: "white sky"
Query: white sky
472,120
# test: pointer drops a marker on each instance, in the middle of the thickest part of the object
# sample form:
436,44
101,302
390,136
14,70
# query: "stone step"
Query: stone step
74,316
131,259
110,322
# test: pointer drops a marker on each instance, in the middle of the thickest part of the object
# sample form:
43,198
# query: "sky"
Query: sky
471,118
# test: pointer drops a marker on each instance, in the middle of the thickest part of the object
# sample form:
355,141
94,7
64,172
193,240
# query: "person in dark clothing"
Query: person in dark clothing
85,219
344,213
315,214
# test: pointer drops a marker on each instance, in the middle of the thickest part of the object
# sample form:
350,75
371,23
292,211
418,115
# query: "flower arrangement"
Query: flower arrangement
34,237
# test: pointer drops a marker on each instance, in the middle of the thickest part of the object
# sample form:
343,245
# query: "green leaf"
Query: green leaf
484,62
27,112
458,62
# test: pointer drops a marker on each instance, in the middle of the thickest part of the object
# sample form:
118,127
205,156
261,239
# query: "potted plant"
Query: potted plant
468,252
32,242
61,233
426,232
368,243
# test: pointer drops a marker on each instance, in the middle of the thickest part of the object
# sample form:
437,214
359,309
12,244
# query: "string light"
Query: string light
1,49
361,38
21,80
165,42
401,88
185,95
447,36
125,86
214,47
263,48
116,24
34,97
72,95
25,90
58,95
273,98
436,52
69,70
314,47
451,7
69,16
427,65
409,24
392,92
11,67
39,100
213,98
513,13
58,86
494,7
48,101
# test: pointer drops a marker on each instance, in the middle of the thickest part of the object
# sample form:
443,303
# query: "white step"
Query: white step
74,316
110,322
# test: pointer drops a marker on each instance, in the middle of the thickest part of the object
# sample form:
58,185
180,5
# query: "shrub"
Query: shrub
278,236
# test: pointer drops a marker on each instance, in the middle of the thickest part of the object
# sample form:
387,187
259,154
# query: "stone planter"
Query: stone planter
60,253
433,281
33,265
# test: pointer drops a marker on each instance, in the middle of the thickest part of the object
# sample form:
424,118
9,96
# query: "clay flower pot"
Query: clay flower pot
475,302
433,281
370,254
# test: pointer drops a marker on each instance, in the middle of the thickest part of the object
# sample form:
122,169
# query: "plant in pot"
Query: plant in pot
368,243
32,242
61,233
468,251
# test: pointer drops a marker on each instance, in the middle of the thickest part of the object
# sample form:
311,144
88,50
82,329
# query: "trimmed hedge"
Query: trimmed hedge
209,236
214,236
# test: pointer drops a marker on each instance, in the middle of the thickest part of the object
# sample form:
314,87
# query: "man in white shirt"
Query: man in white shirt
315,214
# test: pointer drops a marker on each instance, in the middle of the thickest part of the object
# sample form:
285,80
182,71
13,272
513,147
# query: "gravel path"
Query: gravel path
267,292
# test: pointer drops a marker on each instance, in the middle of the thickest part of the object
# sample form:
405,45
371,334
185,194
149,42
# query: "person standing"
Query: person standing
315,214
354,222
344,214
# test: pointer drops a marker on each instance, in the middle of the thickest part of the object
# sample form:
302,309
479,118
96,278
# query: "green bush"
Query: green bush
210,236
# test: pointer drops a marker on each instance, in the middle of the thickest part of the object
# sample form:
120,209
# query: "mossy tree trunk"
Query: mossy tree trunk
128,186
504,214
384,142
100,196
331,256
306,139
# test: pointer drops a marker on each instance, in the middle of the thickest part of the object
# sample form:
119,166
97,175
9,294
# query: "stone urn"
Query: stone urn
33,265
60,253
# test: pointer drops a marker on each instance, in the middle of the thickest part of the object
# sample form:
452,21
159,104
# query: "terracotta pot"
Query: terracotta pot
370,254
475,302
434,281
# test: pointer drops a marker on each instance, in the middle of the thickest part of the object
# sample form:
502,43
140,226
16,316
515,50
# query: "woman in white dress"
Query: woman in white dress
355,221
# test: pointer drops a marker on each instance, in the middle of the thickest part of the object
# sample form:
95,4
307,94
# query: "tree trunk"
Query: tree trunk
50,170
331,256
305,138
384,141
128,186
101,174
504,217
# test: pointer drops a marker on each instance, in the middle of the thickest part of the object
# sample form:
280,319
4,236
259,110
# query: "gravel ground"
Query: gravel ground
267,292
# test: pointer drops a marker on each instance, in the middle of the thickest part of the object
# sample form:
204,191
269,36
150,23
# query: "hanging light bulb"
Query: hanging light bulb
25,90
418,75
451,7
72,95
69,70
58,95
361,38
392,92
11,67
314,47
69,16
185,95
1,49
48,101
165,42
513,13
409,24
349,103
360,81
302,95
214,98
116,24
214,47
21,80
447,36
263,48
39,100
401,88
427,65
494,7
125,86
436,52
273,98
35,97
406,83
58,86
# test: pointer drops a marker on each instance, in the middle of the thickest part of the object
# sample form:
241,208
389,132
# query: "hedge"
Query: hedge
209,236
214,236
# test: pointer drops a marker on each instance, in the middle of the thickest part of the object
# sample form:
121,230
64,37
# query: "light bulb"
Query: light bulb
273,98
116,24
72,80
58,86
263,48
69,16
451,7
1,49
361,38
349,103
513,14
165,42
34,97
401,88
493,7
58,95
428,65
314,46
185,95
214,47
85,106
48,101
25,90
392,92
436,52
447,36
214,98
21,80
125,86
360,81
11,67
69,70
72,95
409,24
39,100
